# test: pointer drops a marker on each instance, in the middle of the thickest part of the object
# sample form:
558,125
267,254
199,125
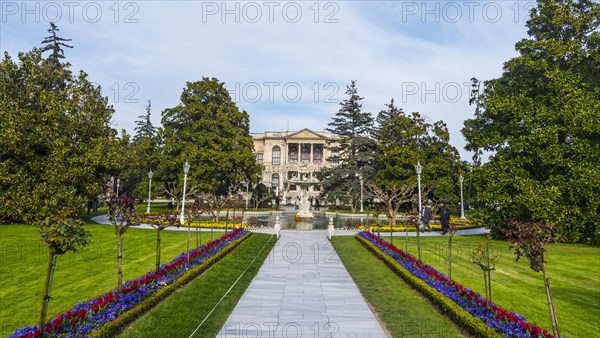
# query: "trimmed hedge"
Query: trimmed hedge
112,328
456,313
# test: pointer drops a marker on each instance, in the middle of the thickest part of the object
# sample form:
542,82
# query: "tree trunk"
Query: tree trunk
419,244
485,283
227,221
47,288
392,213
550,302
488,270
450,257
157,248
119,262
188,242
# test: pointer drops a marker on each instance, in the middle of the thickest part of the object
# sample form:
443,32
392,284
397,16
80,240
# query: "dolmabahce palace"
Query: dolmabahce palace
291,157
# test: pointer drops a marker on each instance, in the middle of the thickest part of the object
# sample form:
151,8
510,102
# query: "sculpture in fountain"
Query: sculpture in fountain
304,184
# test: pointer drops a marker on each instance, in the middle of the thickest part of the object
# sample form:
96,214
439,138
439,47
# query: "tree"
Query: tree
55,140
122,215
144,150
61,235
160,223
57,143
353,152
539,122
208,130
481,257
402,141
451,233
55,44
529,240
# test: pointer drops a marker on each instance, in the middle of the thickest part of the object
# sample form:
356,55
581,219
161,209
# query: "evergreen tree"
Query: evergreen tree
55,44
144,128
539,121
143,153
353,152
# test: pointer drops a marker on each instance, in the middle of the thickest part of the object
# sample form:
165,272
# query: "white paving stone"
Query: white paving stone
302,290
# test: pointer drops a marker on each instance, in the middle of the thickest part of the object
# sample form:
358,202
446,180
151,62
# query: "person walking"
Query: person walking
426,217
444,217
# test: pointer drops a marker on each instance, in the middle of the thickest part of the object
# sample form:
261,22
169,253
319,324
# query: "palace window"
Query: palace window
305,152
276,157
318,154
259,157
275,180
293,156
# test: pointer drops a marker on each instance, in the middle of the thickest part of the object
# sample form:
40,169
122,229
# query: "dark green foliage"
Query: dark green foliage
402,141
540,122
57,143
208,130
55,44
353,153
63,235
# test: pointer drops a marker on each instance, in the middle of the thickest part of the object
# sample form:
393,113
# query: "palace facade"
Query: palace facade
290,156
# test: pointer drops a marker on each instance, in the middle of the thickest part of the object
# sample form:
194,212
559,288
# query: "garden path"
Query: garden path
302,290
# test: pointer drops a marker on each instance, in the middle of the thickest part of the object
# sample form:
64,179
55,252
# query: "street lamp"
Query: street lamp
247,183
418,169
118,182
361,193
462,204
186,169
150,174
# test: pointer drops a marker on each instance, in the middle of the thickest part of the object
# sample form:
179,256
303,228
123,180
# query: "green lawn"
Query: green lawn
201,295
573,270
405,312
78,277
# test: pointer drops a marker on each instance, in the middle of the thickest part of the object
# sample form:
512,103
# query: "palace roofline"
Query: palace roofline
291,133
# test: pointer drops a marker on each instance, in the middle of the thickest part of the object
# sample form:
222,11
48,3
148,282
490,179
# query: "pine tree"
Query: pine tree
55,44
145,129
353,152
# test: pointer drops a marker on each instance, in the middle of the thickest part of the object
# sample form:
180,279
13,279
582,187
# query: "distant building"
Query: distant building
291,154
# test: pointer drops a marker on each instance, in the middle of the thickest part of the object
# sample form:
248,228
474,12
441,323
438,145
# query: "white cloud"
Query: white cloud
379,44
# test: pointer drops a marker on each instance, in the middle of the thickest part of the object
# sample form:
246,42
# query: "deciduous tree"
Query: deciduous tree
208,130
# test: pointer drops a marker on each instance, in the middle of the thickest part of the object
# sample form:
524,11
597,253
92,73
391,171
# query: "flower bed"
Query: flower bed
434,226
508,324
90,316
160,219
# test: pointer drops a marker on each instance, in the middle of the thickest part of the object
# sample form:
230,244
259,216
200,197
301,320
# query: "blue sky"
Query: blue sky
285,63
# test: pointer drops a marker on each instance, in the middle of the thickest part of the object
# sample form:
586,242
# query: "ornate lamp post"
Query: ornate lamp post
118,182
462,204
186,169
418,169
362,182
150,174
247,183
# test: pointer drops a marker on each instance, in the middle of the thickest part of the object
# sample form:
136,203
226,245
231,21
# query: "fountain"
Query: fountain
304,206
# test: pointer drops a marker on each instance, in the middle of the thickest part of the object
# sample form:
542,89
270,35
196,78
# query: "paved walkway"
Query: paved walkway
302,290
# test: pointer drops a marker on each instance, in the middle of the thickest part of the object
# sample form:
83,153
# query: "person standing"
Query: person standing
317,204
444,217
426,217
